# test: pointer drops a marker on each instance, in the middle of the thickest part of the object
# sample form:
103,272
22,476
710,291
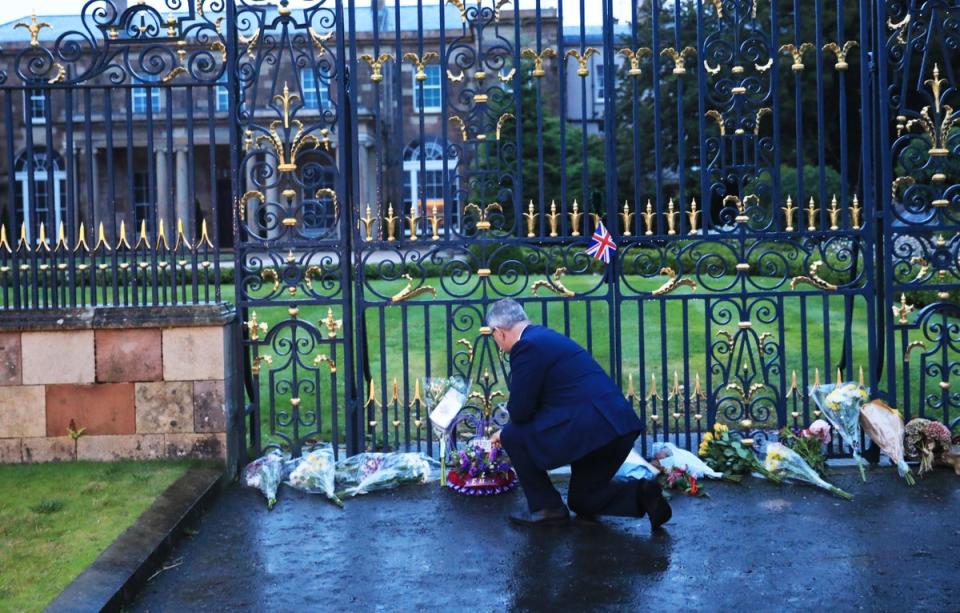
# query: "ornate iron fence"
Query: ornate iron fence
780,179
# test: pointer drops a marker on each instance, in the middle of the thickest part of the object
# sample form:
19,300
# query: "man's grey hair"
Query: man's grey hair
505,314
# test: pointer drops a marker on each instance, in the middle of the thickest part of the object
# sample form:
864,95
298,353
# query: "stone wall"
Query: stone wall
157,386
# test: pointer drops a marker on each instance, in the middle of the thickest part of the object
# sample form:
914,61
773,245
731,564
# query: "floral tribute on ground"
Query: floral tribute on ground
480,471
788,464
840,405
809,442
884,426
726,453
928,440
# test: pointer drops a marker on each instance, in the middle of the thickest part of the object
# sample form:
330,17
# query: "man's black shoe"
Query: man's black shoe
650,499
545,517
587,520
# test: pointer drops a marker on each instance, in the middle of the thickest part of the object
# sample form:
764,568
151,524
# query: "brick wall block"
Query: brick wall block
58,357
193,354
164,407
22,411
101,408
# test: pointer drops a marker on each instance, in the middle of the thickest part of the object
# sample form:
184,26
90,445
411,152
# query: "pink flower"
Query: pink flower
938,433
821,430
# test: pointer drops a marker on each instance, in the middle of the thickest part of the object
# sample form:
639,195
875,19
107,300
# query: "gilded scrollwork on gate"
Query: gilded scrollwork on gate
923,200
141,44
746,362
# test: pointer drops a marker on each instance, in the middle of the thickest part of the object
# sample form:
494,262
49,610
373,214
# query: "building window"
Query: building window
316,93
319,215
427,93
35,102
222,94
140,95
40,187
423,181
141,201
598,83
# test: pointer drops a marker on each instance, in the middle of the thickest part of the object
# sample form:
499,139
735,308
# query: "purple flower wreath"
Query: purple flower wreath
475,471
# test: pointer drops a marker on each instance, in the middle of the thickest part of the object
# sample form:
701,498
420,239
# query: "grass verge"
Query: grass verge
56,518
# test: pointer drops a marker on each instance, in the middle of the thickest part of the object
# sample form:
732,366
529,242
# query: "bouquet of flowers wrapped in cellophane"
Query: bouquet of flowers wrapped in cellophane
265,474
667,456
884,426
444,397
727,454
788,464
367,472
840,404
480,470
314,473
809,442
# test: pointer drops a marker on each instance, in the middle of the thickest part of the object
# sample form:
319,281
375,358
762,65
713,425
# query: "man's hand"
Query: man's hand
495,438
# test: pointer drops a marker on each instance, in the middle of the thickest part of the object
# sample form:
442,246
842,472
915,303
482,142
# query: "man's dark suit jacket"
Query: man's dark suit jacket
564,402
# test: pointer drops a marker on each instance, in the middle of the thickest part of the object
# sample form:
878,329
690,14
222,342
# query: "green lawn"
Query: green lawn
670,336
56,518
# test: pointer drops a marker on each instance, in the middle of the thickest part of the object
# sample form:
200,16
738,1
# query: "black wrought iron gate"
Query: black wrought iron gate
781,179
400,166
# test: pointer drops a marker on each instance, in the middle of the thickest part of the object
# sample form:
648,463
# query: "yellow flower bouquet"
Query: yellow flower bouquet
726,453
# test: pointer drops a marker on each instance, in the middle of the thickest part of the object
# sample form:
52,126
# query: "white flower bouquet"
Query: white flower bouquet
314,473
788,464
265,474
840,404
368,472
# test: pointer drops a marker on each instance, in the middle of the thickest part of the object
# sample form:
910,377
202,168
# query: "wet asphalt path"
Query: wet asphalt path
755,547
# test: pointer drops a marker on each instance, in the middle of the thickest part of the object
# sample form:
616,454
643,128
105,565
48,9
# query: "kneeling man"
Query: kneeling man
564,409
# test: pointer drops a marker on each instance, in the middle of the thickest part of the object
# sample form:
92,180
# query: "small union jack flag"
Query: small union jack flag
601,244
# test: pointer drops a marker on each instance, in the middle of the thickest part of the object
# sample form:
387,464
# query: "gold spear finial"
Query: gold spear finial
834,214
531,216
649,218
671,218
627,217
788,214
855,209
553,218
575,217
812,216
390,220
692,215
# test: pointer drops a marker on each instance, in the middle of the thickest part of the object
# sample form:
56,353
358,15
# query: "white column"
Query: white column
273,195
100,208
77,193
183,192
368,180
163,191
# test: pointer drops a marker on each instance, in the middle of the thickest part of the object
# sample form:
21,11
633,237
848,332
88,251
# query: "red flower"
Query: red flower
693,485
